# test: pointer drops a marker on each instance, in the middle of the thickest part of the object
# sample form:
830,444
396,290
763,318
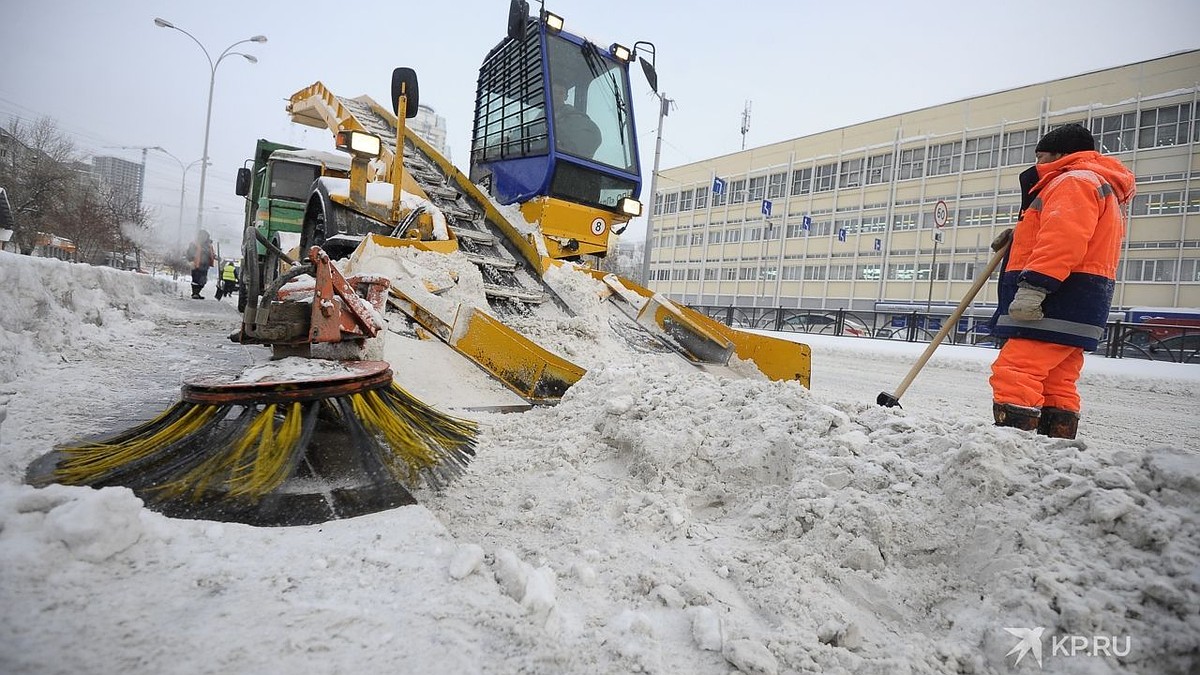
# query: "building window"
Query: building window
850,173
693,275
1019,145
776,185
685,200
758,188
1007,213
1149,270
658,202
850,225
879,169
904,221
981,153
671,204
1165,126
873,224
912,162
869,272
944,159
814,272
714,237
729,273
826,177
733,236
737,191
747,273
710,273
1189,271
802,181
1114,133
1162,203
791,272
719,198
697,239
975,215
962,271
701,197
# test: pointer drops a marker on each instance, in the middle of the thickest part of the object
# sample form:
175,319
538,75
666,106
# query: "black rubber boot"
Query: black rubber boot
1058,423
1016,416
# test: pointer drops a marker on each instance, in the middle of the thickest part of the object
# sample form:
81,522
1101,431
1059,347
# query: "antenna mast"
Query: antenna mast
745,123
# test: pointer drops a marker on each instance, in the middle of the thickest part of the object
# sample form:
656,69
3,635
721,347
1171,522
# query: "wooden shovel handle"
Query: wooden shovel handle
953,320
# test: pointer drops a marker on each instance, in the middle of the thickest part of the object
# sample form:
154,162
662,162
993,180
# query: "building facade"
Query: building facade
431,127
123,177
846,218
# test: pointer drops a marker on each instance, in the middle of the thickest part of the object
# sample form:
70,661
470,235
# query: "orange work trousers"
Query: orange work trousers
1037,374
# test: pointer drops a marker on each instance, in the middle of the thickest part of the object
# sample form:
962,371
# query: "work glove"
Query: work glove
1002,239
1026,305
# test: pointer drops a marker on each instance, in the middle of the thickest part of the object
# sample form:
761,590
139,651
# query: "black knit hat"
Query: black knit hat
1067,139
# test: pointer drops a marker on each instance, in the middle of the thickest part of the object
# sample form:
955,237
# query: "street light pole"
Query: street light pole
212,80
182,188
663,109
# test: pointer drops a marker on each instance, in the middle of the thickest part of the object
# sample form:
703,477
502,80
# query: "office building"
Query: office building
846,218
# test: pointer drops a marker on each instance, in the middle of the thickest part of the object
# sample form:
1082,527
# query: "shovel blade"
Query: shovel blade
888,400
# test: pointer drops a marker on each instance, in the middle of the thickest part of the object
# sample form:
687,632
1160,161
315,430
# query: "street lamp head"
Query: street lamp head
249,58
163,23
259,38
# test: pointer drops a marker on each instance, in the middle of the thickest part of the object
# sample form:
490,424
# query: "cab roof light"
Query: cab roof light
630,206
553,21
621,52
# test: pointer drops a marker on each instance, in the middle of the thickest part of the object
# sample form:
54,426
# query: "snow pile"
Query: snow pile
659,519
852,526
69,311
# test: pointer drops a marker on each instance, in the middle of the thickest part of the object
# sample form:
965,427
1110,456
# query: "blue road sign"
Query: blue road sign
878,244
805,223
718,186
842,234
766,207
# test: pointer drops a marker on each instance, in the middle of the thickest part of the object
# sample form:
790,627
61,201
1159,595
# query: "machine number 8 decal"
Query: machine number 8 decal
598,226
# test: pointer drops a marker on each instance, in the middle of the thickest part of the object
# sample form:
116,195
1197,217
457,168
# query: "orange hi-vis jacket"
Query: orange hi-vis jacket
1068,242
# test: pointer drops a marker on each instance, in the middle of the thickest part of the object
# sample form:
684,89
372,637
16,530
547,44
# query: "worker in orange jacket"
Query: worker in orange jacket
1057,282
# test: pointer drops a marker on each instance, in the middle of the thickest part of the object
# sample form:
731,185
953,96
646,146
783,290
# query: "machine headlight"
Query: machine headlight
553,21
620,52
359,143
630,206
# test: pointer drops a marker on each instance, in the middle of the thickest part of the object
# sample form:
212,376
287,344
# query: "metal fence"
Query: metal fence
1160,342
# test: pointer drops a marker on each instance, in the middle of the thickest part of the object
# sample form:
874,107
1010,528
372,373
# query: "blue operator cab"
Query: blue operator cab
554,133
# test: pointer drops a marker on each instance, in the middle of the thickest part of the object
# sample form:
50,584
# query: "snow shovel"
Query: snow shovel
1003,242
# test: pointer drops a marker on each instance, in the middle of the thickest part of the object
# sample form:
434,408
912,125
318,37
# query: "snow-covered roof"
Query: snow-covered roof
334,159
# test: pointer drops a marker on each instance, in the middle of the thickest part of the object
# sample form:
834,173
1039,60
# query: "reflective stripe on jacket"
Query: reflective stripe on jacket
1068,242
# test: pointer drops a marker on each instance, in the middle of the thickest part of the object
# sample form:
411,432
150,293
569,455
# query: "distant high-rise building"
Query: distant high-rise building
431,127
126,178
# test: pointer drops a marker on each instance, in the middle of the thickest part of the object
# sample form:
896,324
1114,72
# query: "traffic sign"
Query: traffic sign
842,234
766,207
941,214
878,244
718,186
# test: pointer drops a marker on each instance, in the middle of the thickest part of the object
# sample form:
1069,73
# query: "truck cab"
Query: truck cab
276,184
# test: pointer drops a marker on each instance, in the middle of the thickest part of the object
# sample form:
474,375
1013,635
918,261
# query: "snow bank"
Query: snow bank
69,310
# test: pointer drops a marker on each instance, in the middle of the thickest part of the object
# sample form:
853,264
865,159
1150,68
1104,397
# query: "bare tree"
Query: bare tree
38,177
